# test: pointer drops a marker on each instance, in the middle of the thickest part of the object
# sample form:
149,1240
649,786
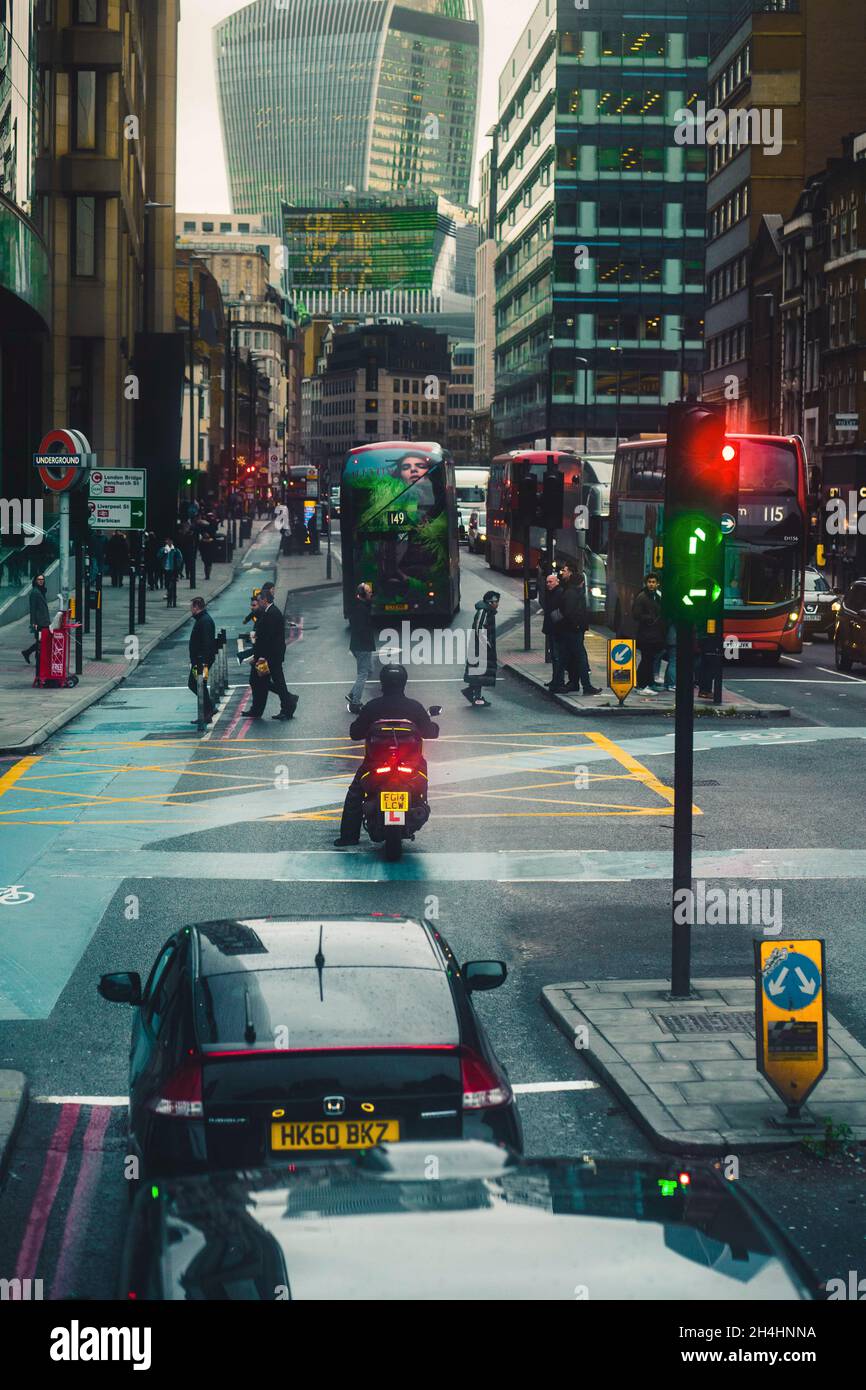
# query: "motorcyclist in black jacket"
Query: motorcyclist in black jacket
393,703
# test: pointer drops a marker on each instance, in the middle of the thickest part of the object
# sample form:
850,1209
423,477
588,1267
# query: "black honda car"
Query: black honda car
260,1040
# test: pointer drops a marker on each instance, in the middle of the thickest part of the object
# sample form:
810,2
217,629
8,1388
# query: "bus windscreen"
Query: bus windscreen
768,468
395,518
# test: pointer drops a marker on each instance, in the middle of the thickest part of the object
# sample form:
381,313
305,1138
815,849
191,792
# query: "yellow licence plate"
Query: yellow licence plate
333,1134
393,801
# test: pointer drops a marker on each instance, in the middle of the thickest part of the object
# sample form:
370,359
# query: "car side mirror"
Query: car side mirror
484,974
122,988
862,613
434,710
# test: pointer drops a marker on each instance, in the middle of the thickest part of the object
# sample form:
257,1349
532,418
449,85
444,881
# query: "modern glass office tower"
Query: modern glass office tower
363,96
600,217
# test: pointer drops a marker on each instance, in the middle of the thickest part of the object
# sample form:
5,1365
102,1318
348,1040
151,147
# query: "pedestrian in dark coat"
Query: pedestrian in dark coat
481,663
553,629
575,615
362,643
117,555
40,617
202,651
270,651
650,632
206,548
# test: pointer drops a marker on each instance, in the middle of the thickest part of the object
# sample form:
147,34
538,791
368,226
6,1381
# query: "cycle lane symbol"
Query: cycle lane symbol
15,893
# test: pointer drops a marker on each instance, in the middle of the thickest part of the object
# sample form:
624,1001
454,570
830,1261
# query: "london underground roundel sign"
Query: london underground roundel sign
63,460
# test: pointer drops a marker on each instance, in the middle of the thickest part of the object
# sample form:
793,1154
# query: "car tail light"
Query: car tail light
180,1095
481,1086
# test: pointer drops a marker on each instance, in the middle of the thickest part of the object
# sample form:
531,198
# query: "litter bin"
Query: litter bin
246,528
219,550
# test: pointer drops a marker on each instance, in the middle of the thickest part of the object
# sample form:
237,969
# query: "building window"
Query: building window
244,228
85,110
189,226
86,11
80,384
207,226
84,237
225,227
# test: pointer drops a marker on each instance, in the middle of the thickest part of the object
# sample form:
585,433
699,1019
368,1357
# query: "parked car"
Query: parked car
851,627
258,1040
460,1221
821,605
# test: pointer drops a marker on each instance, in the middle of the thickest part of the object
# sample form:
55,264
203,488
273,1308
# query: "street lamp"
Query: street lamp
193,453
585,363
772,312
618,351
548,415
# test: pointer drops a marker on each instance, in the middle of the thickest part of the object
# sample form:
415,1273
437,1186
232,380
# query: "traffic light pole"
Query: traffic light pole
684,729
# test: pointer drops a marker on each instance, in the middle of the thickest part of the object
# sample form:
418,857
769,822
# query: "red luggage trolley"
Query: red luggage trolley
54,654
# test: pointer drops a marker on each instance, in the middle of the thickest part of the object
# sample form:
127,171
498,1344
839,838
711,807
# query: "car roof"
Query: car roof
491,1226
284,943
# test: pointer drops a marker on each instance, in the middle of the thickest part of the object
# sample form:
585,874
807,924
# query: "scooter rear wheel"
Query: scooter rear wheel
393,845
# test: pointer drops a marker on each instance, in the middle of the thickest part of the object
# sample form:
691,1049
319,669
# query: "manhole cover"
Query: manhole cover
737,1021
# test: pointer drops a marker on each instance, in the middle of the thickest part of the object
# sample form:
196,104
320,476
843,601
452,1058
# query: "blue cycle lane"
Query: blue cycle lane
75,797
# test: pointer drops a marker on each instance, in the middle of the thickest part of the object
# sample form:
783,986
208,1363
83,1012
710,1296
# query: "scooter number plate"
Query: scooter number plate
393,801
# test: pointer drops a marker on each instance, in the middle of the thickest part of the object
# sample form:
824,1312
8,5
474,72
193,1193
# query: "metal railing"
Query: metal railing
20,563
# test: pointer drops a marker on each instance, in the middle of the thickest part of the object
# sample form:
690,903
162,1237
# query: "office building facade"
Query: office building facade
25,280
366,96
781,58
600,219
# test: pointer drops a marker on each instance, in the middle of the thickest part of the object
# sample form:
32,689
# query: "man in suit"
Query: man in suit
202,651
270,646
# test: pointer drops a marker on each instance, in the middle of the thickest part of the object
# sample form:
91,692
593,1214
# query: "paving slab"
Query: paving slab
693,1093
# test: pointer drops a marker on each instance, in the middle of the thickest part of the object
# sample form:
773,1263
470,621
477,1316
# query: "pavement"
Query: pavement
531,667
686,1069
30,715
28,719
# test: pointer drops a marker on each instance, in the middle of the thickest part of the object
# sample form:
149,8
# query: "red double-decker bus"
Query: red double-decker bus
765,546
505,532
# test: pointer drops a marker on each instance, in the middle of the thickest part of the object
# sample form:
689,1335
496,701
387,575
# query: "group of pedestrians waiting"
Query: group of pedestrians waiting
566,619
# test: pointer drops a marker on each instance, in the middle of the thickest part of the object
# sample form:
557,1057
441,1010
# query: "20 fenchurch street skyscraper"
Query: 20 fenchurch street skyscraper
326,95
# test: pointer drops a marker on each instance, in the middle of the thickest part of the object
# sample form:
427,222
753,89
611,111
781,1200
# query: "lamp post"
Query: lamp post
548,415
584,361
772,313
193,452
618,351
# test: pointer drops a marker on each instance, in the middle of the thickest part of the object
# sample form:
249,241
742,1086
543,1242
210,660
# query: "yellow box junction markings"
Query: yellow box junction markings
791,1009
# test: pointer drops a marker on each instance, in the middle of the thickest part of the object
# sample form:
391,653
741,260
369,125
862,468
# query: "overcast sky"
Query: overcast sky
201,179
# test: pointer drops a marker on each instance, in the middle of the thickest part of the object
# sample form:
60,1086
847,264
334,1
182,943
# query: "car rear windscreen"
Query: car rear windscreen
339,1007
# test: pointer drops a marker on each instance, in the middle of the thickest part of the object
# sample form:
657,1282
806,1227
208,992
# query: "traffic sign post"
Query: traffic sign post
63,461
791,1018
621,666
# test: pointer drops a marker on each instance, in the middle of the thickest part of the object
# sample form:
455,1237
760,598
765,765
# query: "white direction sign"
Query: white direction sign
118,482
107,515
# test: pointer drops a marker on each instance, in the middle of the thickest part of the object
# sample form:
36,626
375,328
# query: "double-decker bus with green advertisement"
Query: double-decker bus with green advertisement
398,527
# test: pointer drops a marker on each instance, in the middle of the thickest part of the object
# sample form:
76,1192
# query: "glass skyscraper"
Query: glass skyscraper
317,98
601,217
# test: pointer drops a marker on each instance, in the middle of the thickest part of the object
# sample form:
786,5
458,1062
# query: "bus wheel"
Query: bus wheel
393,844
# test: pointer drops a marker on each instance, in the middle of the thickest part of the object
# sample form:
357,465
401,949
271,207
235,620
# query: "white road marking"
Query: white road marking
841,675
531,1088
81,1100
792,659
791,680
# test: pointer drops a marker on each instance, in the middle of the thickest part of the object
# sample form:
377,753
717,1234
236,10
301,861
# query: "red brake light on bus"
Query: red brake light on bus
729,453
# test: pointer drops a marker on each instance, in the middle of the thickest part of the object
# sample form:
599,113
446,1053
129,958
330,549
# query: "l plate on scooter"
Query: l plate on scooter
395,817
